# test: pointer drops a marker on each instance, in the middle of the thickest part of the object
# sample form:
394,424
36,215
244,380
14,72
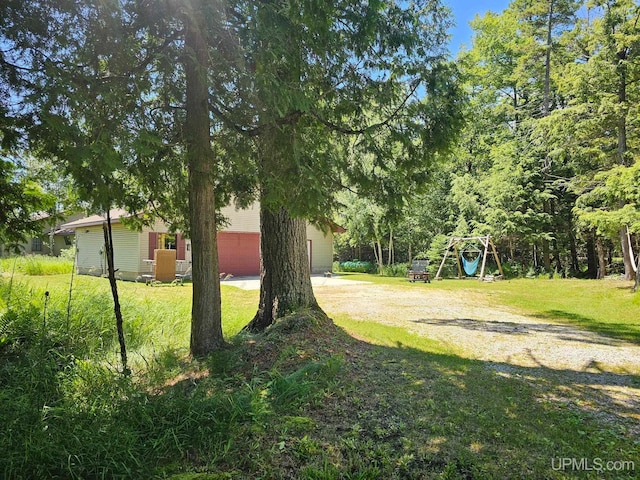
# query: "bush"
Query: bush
396,270
512,269
358,267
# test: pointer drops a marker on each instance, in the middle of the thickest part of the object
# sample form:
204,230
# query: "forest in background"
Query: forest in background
547,160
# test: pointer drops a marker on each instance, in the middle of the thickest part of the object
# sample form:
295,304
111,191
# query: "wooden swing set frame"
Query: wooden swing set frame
454,244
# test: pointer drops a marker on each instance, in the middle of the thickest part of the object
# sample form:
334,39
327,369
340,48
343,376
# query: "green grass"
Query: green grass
35,265
306,400
602,306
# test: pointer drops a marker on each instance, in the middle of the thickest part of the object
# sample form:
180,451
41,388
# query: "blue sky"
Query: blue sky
463,13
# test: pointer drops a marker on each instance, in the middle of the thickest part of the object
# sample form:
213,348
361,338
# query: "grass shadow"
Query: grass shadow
622,331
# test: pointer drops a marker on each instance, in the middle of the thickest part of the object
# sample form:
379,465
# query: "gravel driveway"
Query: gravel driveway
599,372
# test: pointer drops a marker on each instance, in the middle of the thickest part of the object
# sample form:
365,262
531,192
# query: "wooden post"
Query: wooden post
495,255
485,242
444,258
458,260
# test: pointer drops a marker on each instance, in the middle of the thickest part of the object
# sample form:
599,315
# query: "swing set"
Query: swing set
468,258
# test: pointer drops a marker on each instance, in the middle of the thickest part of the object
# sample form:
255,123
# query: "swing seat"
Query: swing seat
470,266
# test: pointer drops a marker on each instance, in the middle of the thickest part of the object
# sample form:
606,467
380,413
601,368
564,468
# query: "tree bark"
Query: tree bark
108,246
592,260
627,255
285,281
546,255
622,154
573,248
602,262
206,316
547,68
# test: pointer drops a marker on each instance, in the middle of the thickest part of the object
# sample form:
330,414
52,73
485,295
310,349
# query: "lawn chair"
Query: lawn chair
419,271
181,277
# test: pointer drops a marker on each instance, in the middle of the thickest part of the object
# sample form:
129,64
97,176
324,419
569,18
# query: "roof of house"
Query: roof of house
93,220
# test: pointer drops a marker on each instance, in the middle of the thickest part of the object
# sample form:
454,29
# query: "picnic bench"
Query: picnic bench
419,271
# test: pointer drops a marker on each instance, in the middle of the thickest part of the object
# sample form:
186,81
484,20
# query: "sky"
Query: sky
463,13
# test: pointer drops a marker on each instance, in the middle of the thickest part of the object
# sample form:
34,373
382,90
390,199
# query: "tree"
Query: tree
21,201
597,128
334,93
206,323
118,93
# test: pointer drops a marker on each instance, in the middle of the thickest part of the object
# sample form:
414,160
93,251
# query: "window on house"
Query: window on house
36,245
167,241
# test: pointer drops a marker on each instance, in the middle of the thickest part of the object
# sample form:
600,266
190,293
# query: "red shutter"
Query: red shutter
180,246
153,243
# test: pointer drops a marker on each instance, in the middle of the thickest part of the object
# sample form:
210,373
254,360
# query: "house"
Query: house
238,245
51,241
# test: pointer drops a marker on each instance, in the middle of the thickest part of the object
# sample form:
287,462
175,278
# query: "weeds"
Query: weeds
66,413
37,265
304,400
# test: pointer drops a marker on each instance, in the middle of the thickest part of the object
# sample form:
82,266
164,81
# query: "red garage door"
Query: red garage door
239,253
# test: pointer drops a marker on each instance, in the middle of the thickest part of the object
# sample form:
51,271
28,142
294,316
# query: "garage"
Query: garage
239,253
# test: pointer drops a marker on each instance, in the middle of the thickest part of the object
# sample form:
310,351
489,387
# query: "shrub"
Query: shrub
358,267
396,270
513,269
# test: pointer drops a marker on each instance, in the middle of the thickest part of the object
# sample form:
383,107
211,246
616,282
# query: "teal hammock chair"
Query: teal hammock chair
470,266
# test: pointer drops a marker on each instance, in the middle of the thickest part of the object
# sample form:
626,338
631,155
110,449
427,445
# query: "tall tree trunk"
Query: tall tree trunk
602,261
206,316
108,246
547,68
573,248
627,255
377,249
546,255
622,153
556,256
285,281
592,260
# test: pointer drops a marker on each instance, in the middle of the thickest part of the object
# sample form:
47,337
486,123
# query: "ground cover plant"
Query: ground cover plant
306,399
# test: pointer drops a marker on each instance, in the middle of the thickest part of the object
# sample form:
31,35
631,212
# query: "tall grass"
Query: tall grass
36,265
66,412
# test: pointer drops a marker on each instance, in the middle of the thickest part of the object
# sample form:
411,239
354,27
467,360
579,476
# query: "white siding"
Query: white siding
125,245
321,250
90,241
247,220
144,250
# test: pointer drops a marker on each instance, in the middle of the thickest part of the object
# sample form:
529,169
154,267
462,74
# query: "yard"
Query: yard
455,379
